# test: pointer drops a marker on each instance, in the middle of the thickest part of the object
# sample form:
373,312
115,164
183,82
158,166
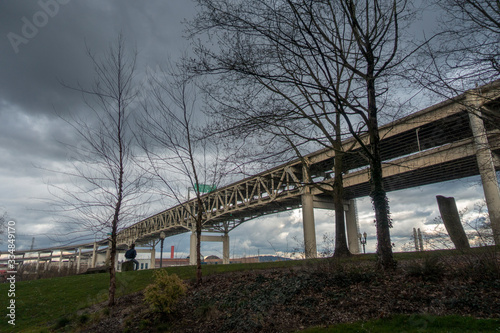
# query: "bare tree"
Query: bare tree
466,52
175,148
107,186
463,62
336,52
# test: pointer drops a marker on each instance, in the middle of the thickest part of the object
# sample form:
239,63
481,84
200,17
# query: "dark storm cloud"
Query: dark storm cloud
43,43
54,49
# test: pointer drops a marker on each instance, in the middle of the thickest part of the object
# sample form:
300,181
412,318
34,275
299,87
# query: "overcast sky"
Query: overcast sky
43,43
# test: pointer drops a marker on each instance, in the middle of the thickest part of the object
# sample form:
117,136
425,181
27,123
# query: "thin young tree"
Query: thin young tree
342,52
107,187
177,153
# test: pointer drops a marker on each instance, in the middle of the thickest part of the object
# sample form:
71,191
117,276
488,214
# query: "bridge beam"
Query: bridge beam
486,168
225,246
310,248
352,227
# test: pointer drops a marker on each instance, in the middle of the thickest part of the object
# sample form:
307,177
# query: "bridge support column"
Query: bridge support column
60,261
487,171
225,249
225,246
192,249
152,264
79,260
352,227
47,262
310,249
38,262
94,256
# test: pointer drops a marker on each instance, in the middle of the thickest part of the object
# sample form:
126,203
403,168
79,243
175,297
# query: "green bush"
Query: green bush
164,293
431,269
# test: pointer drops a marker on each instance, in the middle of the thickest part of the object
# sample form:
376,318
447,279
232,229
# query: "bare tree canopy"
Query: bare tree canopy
180,158
466,52
311,54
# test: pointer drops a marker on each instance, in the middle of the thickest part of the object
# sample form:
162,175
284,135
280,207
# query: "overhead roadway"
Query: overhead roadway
429,146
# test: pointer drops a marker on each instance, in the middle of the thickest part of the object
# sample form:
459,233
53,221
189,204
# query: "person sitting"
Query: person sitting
131,254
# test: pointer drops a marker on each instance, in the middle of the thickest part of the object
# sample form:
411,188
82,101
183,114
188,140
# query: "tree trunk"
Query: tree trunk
199,217
377,191
112,270
341,248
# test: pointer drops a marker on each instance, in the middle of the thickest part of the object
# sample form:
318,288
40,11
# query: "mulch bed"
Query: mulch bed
286,300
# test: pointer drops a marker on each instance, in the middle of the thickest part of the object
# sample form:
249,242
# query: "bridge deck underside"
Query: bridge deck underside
433,145
461,168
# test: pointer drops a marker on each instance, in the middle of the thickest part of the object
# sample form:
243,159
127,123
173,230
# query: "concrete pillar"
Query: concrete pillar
94,256
38,262
451,220
79,260
352,227
225,249
47,262
152,264
310,249
192,249
487,172
60,261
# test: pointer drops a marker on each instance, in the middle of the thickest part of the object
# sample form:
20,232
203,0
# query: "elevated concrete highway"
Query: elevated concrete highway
443,142
433,145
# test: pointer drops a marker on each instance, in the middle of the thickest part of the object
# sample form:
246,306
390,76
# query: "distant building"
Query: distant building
214,260
172,262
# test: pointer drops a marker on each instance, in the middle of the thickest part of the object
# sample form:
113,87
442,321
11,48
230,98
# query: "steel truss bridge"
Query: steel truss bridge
430,146
443,142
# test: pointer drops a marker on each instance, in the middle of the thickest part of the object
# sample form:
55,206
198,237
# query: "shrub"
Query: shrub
430,270
164,293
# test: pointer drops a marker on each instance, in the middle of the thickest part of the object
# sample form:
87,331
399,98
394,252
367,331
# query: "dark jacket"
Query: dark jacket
131,254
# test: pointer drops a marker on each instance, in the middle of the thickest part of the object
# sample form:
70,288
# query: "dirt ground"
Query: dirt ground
287,300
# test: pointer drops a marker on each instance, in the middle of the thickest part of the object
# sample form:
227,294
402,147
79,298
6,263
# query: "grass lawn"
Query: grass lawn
415,323
40,303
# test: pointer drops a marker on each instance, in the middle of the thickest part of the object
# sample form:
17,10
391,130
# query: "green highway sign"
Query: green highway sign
204,188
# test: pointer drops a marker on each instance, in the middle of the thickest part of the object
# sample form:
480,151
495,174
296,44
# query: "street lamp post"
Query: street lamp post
162,237
362,240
